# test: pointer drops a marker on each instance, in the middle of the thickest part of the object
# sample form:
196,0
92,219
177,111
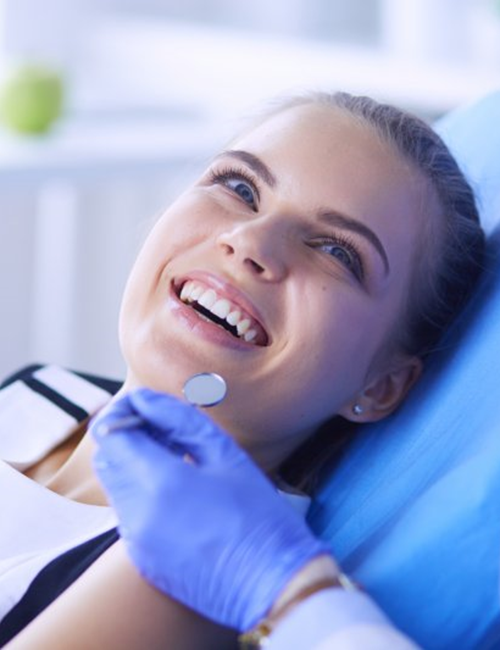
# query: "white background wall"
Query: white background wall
153,87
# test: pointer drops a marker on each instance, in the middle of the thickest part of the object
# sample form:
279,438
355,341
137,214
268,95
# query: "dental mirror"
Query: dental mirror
205,389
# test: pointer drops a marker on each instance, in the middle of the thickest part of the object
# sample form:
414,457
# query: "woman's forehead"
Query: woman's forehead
325,149
318,136
306,121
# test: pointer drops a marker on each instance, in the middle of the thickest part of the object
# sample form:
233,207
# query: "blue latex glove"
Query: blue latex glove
214,533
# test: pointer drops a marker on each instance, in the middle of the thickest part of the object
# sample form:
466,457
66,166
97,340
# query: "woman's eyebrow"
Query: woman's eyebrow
348,223
256,164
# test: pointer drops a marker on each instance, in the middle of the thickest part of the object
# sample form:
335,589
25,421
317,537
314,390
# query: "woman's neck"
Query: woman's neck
75,478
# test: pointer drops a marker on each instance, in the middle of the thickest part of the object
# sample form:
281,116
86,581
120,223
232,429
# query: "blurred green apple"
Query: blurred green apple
31,98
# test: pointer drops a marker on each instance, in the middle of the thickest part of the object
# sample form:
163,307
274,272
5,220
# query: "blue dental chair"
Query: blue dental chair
413,509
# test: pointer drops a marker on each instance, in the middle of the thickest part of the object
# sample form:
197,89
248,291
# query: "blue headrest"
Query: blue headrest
473,135
413,509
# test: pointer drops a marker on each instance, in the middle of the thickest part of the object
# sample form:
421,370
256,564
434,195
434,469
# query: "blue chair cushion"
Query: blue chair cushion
413,509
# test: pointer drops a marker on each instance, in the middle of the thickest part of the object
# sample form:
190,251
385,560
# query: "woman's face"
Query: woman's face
302,236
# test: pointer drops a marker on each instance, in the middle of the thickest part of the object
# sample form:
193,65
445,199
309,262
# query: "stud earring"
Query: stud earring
357,409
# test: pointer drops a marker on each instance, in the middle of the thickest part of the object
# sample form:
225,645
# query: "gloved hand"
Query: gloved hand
212,532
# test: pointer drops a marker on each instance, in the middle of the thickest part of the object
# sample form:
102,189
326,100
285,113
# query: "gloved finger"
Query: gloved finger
184,425
132,458
121,415
163,417
118,411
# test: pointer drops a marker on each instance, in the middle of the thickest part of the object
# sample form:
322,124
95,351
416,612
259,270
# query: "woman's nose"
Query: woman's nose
259,246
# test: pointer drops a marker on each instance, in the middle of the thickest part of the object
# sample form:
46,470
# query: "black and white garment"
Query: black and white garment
46,540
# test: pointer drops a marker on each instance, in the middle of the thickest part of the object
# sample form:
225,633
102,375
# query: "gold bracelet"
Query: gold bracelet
258,637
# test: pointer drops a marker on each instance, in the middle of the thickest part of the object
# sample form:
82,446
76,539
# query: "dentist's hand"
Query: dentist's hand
212,533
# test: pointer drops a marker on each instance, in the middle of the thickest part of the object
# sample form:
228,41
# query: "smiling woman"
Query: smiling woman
309,232
313,265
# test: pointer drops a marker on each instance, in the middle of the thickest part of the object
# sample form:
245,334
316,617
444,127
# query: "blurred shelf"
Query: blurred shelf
90,148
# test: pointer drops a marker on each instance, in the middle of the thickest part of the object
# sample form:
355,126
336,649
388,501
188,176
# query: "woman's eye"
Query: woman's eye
239,183
242,189
346,253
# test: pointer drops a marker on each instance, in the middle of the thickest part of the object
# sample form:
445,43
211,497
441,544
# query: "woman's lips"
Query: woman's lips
205,328
223,305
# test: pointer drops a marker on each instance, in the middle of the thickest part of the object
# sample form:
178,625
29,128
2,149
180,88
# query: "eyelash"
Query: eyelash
341,241
223,176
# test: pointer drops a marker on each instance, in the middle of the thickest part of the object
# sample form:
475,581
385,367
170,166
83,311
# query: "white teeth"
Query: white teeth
221,308
250,335
207,298
233,318
242,326
196,293
186,290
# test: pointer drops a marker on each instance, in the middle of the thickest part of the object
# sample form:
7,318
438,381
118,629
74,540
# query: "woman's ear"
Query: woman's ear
384,393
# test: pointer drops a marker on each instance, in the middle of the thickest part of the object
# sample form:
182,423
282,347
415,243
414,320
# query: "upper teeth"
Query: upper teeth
220,307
